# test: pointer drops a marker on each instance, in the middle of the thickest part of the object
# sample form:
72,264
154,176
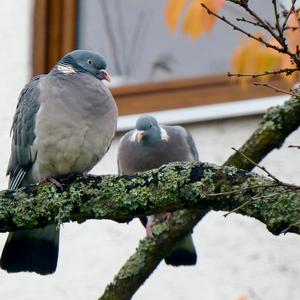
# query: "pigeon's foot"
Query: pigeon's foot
152,221
167,216
55,182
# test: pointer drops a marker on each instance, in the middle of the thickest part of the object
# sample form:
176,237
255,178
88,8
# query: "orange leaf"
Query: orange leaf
293,36
172,13
252,57
197,20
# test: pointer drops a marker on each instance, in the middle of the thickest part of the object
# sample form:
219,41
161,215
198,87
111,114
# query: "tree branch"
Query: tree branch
277,124
172,187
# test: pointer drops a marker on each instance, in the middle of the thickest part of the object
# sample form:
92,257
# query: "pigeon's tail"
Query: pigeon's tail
31,250
183,254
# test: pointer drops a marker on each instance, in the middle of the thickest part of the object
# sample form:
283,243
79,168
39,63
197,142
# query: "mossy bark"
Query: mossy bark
172,187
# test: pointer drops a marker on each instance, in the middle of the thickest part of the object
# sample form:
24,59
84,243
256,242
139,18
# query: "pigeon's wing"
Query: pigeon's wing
22,131
183,136
192,146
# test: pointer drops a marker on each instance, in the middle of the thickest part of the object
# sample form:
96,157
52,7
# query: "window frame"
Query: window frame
55,34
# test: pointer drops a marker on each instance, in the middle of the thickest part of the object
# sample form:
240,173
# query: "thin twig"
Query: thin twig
234,27
237,208
265,25
248,21
276,89
257,165
263,186
293,28
286,71
292,9
294,146
289,227
255,198
277,22
280,38
279,182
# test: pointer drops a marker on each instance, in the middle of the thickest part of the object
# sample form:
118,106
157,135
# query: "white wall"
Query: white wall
236,255
15,70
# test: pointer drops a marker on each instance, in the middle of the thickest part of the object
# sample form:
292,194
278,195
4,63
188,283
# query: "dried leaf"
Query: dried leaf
173,11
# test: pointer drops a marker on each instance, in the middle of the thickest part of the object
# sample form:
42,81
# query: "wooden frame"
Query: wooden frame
55,33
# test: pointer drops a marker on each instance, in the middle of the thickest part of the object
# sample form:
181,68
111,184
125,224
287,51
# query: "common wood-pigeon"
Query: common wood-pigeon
147,147
63,125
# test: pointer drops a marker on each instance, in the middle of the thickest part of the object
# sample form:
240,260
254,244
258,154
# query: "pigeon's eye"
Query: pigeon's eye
150,126
89,61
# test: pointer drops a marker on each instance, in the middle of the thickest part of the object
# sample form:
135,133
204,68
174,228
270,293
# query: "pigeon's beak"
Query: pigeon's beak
139,135
105,75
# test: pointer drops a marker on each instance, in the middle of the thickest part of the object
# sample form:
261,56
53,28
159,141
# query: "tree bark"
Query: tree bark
172,187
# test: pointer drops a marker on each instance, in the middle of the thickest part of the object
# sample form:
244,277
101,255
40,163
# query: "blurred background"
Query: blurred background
179,79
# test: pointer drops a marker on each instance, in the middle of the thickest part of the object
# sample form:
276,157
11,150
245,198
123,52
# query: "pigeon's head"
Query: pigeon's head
148,130
86,61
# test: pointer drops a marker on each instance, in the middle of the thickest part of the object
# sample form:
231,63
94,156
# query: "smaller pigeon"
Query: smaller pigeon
147,147
63,125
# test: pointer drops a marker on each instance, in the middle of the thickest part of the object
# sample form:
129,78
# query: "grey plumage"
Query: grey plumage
149,146
63,125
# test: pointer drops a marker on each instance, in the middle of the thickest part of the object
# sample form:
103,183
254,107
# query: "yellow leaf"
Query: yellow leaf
197,20
172,13
252,57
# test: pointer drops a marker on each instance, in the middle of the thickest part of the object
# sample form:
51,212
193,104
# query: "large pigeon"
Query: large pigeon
148,147
63,125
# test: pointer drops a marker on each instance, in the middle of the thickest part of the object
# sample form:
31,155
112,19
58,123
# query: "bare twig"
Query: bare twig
292,9
294,146
248,21
257,165
260,186
276,89
237,208
277,22
289,227
286,71
278,182
264,24
235,27
255,198
293,28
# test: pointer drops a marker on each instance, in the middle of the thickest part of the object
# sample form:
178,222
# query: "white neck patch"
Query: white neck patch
133,136
65,69
163,134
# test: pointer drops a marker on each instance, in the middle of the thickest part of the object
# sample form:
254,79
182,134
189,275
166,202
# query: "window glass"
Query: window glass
139,47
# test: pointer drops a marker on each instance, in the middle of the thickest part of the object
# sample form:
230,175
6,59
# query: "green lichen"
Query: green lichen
137,262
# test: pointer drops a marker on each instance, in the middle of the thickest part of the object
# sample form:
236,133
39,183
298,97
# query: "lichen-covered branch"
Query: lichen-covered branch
172,187
276,125
142,264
